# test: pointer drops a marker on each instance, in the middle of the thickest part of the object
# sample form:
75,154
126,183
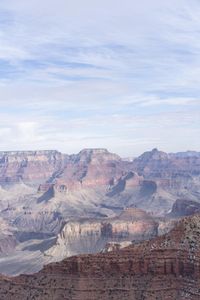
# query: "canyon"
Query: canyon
165,267
91,236
55,205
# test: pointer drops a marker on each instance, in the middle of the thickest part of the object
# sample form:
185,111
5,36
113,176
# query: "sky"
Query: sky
122,75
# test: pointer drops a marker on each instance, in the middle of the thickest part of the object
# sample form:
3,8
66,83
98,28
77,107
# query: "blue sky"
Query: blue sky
124,75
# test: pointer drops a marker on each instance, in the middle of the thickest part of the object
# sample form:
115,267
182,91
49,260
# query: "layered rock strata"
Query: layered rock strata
170,170
91,236
32,167
165,268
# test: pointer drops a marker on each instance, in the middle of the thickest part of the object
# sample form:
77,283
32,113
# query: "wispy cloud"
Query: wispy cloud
110,74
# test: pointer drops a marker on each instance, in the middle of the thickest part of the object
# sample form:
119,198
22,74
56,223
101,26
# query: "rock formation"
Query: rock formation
164,268
183,207
32,167
90,168
174,170
46,194
91,236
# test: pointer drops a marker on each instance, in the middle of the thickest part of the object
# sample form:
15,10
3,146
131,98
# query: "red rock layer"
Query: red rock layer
29,166
173,170
166,268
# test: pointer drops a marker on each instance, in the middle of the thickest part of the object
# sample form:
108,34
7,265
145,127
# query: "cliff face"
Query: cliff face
91,236
163,268
97,167
90,168
40,191
33,167
174,170
184,207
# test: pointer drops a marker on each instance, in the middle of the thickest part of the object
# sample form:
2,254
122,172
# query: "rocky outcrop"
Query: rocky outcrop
163,268
40,191
32,167
54,173
174,170
166,225
97,167
114,246
128,180
90,236
91,168
183,207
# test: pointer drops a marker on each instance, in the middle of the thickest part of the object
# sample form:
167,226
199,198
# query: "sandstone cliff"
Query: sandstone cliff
91,236
40,191
173,170
166,268
32,167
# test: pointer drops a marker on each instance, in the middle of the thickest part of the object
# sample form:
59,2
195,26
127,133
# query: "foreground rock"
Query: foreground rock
164,268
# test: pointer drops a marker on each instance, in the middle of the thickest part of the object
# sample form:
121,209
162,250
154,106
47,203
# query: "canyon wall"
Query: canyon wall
165,268
74,198
32,167
91,236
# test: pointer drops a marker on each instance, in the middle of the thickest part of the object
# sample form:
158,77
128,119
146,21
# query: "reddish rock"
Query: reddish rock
165,268
90,236
173,170
33,167
92,168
